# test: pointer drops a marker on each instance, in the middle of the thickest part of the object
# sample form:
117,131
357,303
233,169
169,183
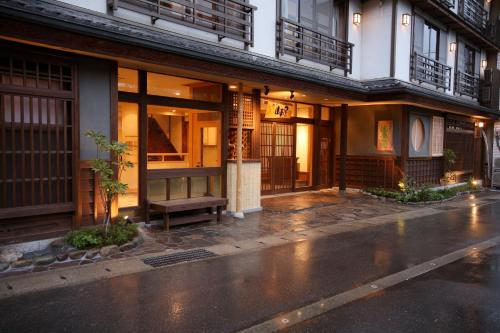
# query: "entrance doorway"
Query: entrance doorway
277,157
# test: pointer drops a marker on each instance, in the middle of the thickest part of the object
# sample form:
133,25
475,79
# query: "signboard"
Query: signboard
281,110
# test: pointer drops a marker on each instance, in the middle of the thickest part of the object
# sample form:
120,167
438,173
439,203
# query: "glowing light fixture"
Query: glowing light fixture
484,63
405,19
356,18
453,47
480,124
233,86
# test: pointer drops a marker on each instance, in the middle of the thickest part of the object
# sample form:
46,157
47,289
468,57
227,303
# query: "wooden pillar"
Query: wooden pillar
405,136
239,151
316,146
343,146
256,124
143,142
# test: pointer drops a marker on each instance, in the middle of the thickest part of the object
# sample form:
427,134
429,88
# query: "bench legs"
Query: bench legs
166,221
219,214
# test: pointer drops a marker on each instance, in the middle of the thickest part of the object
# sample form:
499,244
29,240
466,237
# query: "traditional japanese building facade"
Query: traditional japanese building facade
333,93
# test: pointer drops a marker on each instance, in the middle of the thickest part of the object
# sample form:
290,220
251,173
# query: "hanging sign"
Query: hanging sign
279,110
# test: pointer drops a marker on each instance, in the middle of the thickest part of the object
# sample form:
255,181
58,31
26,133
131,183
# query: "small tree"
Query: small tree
449,158
109,184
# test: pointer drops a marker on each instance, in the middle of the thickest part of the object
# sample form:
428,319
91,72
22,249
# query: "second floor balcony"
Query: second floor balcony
467,84
474,13
430,71
226,18
304,43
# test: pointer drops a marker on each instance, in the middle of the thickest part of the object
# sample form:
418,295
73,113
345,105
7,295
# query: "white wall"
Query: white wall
95,5
355,36
376,39
452,37
403,42
264,27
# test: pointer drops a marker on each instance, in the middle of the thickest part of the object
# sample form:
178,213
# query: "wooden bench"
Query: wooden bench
181,205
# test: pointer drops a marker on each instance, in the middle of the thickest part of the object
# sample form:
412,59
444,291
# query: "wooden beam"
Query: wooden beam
343,146
239,151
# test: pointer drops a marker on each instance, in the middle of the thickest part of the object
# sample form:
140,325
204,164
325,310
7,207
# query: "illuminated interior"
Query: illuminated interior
183,138
128,132
303,155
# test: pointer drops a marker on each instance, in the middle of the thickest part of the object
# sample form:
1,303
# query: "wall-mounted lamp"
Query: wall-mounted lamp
484,63
453,46
405,19
292,96
480,124
356,18
266,90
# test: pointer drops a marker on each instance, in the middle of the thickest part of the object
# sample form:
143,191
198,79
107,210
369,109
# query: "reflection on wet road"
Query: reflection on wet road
461,297
226,294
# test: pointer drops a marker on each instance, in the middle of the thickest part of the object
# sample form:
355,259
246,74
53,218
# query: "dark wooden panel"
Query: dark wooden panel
370,171
425,171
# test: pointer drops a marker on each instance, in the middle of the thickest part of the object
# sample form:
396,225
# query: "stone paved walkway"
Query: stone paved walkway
280,214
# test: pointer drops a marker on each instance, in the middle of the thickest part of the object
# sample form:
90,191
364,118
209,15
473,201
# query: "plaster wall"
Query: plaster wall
403,43
264,27
94,84
376,39
95,5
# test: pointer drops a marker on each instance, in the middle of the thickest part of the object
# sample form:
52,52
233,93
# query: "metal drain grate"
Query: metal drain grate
175,258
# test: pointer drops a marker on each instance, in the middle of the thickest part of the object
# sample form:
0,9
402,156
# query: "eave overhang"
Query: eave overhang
69,18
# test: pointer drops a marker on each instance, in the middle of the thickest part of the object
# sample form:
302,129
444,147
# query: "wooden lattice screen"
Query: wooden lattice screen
425,171
460,139
36,119
248,126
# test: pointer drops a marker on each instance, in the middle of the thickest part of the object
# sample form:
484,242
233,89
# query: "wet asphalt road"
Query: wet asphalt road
460,297
225,294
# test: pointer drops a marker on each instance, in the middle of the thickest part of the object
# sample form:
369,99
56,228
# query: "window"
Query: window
417,135
128,80
180,87
431,41
325,113
305,111
320,15
128,132
437,136
469,60
183,138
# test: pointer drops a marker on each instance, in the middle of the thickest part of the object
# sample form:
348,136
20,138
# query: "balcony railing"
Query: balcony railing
474,13
423,69
447,3
226,18
466,84
303,43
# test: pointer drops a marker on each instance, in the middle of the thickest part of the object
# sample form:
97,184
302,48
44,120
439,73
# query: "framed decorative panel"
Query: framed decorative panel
385,135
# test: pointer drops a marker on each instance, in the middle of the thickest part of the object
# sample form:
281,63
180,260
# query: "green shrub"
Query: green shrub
118,234
86,238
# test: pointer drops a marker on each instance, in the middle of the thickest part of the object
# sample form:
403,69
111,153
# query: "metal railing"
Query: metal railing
473,12
447,3
226,18
304,43
423,69
467,84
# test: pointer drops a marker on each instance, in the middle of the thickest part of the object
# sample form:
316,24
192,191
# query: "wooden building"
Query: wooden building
334,97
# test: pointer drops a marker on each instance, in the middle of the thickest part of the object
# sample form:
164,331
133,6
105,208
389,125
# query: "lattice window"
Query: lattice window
36,141
247,144
248,112
437,137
